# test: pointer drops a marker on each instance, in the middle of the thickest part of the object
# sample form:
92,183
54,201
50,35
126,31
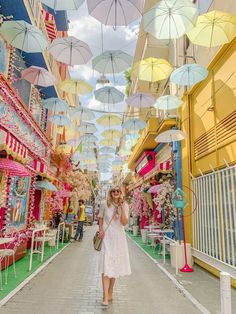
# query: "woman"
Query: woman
114,256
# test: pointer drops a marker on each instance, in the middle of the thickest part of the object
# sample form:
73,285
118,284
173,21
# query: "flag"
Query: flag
79,148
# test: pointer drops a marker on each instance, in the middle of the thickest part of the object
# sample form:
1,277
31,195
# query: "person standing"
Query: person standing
81,219
114,256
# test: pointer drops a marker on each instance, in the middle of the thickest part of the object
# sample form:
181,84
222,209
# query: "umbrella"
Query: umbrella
82,114
63,5
188,75
23,36
45,185
87,128
112,61
38,76
89,155
107,150
115,13
111,133
108,142
117,162
88,138
214,28
70,50
76,87
60,120
109,119
109,95
155,188
170,19
152,69
73,142
140,100
168,102
55,104
13,168
134,124
171,136
104,157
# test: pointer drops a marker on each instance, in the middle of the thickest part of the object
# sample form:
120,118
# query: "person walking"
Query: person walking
114,256
81,219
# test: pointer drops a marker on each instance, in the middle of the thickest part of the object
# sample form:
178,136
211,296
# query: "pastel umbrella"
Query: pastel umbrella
23,36
108,142
112,133
55,104
76,87
13,168
188,74
107,150
63,5
117,162
140,100
152,69
60,120
104,156
88,138
214,28
70,50
87,128
134,124
112,61
73,142
171,136
87,155
169,19
109,95
38,76
109,119
115,13
45,184
168,102
155,188
82,113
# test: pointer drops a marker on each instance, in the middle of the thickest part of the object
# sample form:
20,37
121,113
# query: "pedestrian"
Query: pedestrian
114,255
81,219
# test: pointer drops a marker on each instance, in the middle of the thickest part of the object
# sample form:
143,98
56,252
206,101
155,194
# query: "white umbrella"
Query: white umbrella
134,124
168,102
88,138
55,104
60,120
188,74
109,95
140,100
107,150
82,114
70,50
171,136
63,5
38,76
87,128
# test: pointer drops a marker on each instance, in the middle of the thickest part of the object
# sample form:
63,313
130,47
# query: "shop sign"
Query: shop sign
145,163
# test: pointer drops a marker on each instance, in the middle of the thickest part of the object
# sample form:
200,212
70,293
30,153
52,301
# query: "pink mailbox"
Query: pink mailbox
145,163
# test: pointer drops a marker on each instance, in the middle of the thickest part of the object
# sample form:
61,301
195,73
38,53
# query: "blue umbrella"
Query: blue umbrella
107,150
55,104
109,95
59,119
188,74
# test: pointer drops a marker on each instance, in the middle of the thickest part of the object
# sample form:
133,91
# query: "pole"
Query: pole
225,293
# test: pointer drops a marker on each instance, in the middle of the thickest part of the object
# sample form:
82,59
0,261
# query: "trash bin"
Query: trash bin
177,254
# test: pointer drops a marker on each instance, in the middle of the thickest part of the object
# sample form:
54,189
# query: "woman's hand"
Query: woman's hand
101,234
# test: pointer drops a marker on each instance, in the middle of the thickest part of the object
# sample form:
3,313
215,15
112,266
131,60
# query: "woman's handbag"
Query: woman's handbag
97,242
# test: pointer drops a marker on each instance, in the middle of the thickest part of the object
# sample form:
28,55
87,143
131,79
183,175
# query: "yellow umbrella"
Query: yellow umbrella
152,69
111,134
109,119
108,142
76,87
214,28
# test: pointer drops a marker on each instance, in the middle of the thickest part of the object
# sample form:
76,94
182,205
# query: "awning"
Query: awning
45,185
13,168
50,24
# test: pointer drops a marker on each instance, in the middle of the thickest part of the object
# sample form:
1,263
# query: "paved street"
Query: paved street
71,284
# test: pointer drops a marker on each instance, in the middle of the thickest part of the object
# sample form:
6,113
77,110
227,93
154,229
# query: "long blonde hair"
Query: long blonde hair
110,198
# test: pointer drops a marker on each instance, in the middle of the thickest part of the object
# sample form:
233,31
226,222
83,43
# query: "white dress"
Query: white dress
114,255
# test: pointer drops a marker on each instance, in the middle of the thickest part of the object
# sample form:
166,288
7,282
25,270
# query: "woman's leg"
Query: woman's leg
110,289
105,285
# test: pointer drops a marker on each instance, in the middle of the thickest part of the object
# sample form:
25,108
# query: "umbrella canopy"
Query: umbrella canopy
134,125
117,162
152,69
63,5
112,61
76,87
140,100
108,142
115,13
89,155
155,188
214,28
104,157
82,114
188,75
107,150
169,19
60,120
56,104
38,76
13,168
45,185
112,133
73,142
87,128
168,102
171,136
23,36
109,119
70,50
109,95
88,138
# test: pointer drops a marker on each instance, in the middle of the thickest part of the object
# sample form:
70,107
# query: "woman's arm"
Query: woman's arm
123,217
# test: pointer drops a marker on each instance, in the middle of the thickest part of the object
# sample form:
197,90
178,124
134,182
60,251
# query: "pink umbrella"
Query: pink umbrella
155,188
13,168
38,76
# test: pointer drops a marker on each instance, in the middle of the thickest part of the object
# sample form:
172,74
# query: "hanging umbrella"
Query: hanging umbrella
109,95
104,157
45,185
55,104
13,168
63,5
88,138
188,75
117,162
87,128
134,125
111,134
169,19
76,87
115,13
82,114
168,102
109,119
73,142
140,100
87,156
60,120
214,28
38,76
171,136
107,150
23,36
152,69
70,50
112,61
155,188
108,142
